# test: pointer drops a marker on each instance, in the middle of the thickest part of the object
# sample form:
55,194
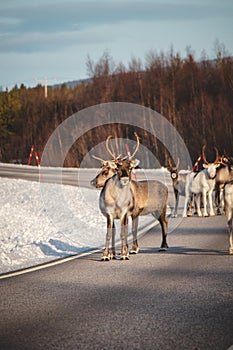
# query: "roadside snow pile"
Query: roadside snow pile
29,236
44,222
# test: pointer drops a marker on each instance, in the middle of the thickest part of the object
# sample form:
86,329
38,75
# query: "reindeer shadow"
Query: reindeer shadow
179,250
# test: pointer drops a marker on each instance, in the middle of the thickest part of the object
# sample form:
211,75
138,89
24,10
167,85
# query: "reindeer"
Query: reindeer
178,181
120,192
202,183
224,174
117,202
228,203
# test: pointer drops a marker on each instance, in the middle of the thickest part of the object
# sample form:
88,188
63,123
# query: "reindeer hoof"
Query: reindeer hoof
163,249
112,256
231,251
105,258
124,257
134,251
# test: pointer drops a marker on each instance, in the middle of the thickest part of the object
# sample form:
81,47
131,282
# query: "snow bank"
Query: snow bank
44,222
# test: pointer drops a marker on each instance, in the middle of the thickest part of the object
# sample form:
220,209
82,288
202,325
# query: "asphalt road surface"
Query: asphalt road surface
179,299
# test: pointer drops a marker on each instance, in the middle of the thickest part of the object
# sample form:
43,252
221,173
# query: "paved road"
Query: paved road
181,299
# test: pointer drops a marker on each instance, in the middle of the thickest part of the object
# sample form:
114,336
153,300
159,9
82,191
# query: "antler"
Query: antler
137,146
107,147
117,157
223,160
203,155
98,158
170,163
217,155
217,158
178,163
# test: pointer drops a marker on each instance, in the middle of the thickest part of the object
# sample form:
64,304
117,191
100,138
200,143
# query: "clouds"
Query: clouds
53,37
43,26
44,42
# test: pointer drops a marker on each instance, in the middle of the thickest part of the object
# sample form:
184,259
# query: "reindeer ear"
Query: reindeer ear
134,163
205,165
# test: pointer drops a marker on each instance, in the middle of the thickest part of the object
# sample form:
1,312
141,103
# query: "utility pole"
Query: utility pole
45,82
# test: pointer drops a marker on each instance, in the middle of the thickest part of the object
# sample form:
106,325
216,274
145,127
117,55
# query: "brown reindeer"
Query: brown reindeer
122,197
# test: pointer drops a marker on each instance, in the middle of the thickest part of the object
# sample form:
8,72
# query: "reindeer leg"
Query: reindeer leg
113,249
163,222
190,206
217,199
212,213
106,256
186,203
230,236
204,198
229,217
124,233
176,204
198,204
135,248
221,199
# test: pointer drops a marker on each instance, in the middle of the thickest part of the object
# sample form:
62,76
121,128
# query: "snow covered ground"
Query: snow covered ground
41,223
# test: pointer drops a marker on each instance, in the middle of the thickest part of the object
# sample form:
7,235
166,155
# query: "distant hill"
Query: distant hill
72,84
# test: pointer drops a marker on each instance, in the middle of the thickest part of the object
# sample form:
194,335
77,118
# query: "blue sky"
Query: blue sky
52,38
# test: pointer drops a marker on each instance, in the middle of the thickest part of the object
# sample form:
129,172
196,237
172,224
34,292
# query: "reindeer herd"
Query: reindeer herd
122,197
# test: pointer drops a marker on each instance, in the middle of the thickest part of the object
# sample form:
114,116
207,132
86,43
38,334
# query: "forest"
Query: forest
196,96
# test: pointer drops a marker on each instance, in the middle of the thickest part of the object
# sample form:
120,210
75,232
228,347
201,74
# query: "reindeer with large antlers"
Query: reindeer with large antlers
122,197
202,183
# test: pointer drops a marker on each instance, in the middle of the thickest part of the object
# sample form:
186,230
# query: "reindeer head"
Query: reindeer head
108,169
173,170
116,165
124,170
226,161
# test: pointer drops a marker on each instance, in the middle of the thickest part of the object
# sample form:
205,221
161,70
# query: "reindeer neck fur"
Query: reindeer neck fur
207,175
116,199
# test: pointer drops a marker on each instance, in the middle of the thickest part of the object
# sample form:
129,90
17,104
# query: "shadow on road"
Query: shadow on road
185,251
